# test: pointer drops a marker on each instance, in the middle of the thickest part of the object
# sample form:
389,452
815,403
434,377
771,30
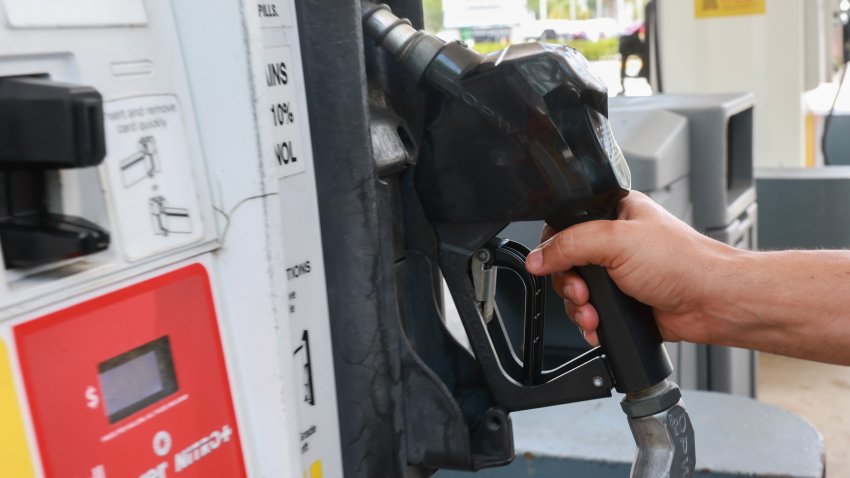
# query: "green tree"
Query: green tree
561,9
533,6
433,10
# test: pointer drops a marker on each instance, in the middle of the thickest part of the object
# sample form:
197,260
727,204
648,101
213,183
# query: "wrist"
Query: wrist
727,289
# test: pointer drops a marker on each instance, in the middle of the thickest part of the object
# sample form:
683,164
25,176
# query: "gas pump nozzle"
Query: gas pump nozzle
522,134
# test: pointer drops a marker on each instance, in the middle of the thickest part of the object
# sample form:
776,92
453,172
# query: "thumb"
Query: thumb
591,242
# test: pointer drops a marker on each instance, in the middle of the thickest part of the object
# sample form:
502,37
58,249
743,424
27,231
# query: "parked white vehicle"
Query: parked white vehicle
551,29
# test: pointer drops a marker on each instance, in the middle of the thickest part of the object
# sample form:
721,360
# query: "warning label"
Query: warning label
150,174
281,114
728,8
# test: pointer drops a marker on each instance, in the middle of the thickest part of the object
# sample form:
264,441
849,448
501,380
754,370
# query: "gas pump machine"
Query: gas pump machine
162,297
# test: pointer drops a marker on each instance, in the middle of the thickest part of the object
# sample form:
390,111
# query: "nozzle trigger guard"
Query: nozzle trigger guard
507,254
517,381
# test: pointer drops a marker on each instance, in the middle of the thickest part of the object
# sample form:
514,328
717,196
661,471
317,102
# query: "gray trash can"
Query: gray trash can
724,200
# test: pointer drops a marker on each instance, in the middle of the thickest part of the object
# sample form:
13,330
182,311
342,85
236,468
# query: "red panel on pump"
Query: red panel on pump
133,384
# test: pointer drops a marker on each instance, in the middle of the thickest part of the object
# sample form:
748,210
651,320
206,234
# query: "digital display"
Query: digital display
137,378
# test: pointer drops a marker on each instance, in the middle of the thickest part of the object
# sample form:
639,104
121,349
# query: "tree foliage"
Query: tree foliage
534,7
433,10
562,9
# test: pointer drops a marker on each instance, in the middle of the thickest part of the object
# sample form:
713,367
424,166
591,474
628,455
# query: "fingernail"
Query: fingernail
534,260
583,333
569,290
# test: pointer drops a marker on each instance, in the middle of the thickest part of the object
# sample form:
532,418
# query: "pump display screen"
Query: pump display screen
137,378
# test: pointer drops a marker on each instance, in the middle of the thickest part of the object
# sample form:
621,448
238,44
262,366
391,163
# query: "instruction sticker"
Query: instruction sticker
728,8
281,113
150,173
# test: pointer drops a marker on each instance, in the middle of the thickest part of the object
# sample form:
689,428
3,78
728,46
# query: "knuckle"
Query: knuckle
560,247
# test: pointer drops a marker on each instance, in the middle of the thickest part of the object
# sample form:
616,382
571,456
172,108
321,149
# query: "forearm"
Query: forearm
793,303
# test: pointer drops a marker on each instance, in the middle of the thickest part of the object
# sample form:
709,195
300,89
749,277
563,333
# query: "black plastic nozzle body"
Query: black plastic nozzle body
523,134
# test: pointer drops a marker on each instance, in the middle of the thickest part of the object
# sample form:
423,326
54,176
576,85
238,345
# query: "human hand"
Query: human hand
650,255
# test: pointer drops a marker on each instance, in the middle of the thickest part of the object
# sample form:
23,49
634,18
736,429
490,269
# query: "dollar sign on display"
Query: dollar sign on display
92,399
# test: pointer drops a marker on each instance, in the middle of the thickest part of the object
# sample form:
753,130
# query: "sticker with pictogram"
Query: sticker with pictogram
150,169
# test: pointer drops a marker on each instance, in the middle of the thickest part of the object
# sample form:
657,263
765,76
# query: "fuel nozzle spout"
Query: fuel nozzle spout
414,48
662,431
